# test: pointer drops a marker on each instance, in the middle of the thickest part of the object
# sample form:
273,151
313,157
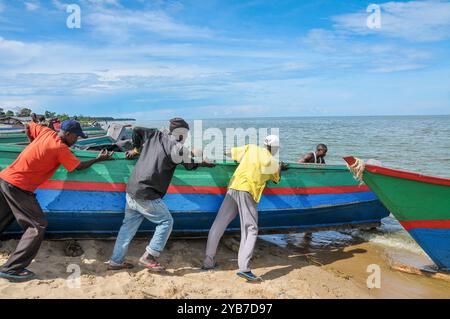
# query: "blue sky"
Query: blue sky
209,59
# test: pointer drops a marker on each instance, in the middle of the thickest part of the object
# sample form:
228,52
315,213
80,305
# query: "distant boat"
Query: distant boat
420,203
309,197
21,136
11,124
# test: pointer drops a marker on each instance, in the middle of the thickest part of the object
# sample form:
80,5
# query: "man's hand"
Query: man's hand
104,155
34,118
208,163
284,166
131,154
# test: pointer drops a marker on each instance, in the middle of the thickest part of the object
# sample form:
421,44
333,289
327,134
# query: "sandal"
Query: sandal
16,276
124,265
150,262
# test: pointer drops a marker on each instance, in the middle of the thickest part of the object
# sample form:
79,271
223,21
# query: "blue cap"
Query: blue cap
73,126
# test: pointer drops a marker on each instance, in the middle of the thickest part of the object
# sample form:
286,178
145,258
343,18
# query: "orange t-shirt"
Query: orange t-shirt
39,160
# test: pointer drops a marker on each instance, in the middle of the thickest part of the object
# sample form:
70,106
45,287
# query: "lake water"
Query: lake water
415,143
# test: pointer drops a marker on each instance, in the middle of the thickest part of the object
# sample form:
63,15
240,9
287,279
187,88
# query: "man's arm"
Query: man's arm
191,165
236,153
30,130
104,155
227,153
140,135
306,159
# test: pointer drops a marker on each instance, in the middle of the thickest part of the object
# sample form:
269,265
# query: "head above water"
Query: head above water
70,131
321,150
179,128
272,143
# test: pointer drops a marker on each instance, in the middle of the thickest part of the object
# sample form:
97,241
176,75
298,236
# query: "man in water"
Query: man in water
317,157
159,154
35,165
257,165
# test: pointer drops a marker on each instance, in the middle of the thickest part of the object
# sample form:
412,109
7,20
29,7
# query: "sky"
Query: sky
212,59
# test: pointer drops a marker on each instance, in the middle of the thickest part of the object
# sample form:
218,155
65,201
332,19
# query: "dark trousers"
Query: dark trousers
24,207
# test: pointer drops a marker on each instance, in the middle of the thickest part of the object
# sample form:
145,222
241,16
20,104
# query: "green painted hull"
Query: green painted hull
420,203
8,138
409,199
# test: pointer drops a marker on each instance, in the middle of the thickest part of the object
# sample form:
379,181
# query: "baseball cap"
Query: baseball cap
73,126
178,123
272,140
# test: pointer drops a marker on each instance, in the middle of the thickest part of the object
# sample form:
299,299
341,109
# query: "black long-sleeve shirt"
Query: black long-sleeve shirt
159,156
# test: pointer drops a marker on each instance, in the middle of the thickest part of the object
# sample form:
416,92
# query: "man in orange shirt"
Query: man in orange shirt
35,165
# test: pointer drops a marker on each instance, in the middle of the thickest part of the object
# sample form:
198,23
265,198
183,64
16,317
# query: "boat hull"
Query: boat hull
308,197
420,203
197,224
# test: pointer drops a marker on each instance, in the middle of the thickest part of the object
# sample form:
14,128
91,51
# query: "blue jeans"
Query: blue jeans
155,211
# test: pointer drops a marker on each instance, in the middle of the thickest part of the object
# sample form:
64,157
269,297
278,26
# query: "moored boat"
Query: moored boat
420,203
309,197
21,136
11,124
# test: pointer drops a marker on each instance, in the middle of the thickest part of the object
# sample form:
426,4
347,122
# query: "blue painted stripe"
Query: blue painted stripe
436,243
67,200
200,222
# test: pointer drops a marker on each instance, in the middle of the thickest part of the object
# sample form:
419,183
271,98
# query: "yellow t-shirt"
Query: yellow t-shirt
256,167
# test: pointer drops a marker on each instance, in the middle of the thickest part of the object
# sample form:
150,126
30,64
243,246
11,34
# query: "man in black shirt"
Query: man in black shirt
159,154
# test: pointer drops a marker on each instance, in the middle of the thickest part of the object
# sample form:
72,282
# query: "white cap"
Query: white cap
272,140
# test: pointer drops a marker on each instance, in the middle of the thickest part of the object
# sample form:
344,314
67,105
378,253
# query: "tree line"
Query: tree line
26,112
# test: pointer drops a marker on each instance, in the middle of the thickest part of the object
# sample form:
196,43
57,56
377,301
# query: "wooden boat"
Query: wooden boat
21,137
420,203
8,138
309,197
10,124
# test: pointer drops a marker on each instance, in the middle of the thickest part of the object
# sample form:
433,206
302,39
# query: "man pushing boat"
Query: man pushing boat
159,154
257,166
18,182
317,157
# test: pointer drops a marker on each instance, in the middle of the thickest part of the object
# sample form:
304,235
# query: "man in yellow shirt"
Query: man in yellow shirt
257,165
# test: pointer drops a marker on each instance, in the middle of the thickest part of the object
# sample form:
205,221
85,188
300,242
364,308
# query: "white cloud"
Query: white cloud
15,52
338,50
59,5
124,23
414,21
31,6
14,104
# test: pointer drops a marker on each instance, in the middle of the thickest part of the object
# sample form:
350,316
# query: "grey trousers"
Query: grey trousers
23,206
235,201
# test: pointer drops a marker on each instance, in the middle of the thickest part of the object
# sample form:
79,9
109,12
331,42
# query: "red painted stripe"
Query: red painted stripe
184,189
315,190
411,224
84,186
402,174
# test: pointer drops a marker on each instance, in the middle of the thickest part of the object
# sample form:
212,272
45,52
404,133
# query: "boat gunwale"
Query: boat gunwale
401,173
16,148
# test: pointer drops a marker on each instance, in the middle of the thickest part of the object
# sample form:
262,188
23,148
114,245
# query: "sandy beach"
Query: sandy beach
288,272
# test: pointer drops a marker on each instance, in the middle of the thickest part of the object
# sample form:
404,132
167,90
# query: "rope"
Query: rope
357,170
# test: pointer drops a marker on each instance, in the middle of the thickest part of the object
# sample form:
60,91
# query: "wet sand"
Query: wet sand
292,271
